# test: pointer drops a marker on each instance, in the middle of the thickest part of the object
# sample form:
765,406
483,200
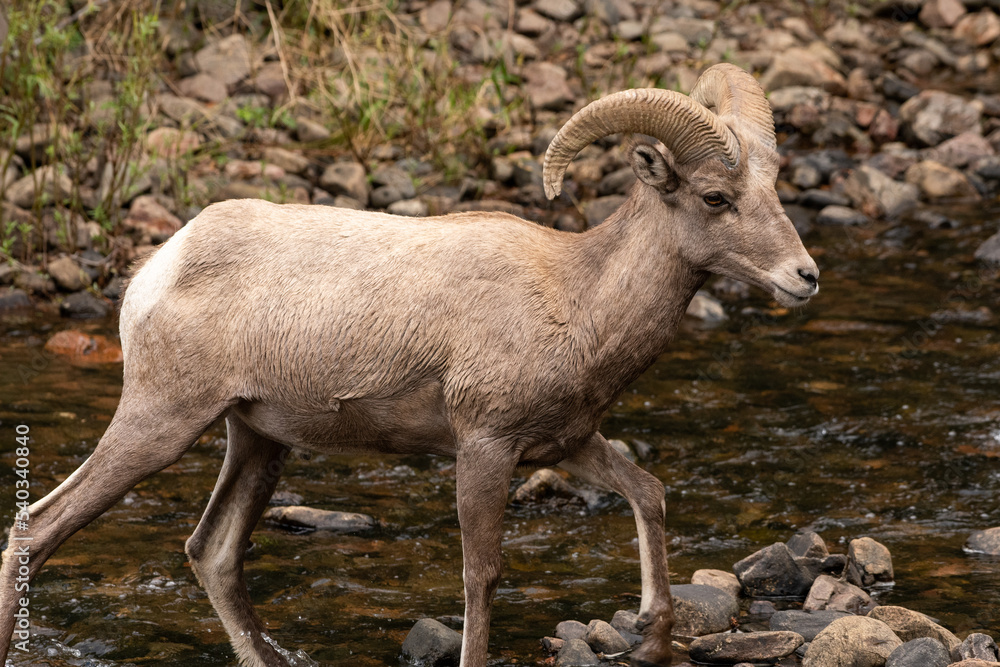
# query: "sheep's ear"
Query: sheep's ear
652,168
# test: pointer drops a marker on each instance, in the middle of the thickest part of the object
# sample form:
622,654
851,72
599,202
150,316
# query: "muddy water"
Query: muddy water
873,411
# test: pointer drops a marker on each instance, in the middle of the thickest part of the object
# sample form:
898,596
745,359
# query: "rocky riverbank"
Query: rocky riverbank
882,110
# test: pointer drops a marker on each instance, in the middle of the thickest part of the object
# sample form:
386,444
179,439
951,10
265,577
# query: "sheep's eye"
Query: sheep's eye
715,200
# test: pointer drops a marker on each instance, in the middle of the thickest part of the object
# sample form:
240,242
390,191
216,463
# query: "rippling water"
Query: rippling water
875,410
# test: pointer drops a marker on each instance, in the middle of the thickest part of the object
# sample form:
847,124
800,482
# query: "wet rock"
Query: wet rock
806,623
546,486
979,29
625,622
803,67
317,519
431,643
724,581
285,498
706,308
909,625
807,544
853,640
972,662
67,274
869,562
934,115
989,539
941,13
977,646
763,610
171,143
552,645
204,87
346,178
576,653
842,216
876,194
567,630
227,60
921,652
546,87
603,638
731,647
936,181
773,572
82,348
14,298
702,610
83,305
598,210
833,594
413,208
816,198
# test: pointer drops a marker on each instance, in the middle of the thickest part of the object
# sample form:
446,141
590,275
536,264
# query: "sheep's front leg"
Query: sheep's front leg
482,480
601,464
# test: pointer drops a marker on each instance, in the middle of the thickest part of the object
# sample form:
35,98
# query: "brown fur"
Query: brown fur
480,336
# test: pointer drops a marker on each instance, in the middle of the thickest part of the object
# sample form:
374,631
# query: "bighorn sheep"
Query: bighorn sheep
480,336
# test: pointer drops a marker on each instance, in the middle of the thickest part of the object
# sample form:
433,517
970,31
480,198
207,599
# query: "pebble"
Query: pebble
702,610
546,86
598,210
346,178
227,59
773,572
567,630
857,641
67,274
730,647
430,643
576,653
921,652
414,208
317,519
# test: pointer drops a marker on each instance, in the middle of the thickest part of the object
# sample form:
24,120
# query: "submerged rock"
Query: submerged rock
857,641
731,647
81,348
317,519
702,610
432,644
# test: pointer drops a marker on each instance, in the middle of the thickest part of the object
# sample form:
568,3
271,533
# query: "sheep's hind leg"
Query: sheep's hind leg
249,474
145,436
601,464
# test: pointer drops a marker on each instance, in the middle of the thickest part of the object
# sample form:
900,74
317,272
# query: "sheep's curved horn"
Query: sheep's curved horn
733,91
687,128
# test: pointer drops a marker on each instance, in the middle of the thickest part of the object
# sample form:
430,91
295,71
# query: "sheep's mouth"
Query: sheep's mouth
787,298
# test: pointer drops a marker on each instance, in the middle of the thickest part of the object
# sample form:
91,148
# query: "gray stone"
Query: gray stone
204,87
67,274
875,193
961,150
803,67
576,653
308,130
83,305
384,195
986,541
293,162
773,572
625,621
413,208
921,652
559,10
706,308
731,647
842,216
546,86
807,544
396,177
936,181
869,562
724,581
317,519
346,178
977,646
227,59
702,610
14,298
830,593
816,198
934,115
56,186
806,623
857,641
34,283
432,644
598,210
567,630
908,624
603,638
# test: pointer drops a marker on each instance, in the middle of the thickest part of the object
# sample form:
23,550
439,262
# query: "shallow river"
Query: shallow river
875,410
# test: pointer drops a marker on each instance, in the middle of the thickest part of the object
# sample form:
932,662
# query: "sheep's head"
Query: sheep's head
713,176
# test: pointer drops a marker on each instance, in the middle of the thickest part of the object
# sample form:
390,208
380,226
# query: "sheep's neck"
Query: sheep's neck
632,286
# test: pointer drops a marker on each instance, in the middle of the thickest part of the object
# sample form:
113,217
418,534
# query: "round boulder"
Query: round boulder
732,647
923,652
910,625
869,562
852,641
702,610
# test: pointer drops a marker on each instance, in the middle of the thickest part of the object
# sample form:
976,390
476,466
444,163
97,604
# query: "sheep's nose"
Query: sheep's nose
810,277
